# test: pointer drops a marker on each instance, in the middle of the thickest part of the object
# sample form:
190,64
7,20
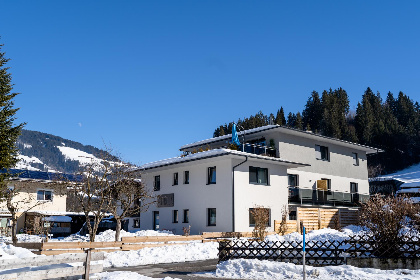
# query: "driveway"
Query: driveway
184,270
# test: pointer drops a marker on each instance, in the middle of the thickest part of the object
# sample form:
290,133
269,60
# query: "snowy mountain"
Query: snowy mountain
45,152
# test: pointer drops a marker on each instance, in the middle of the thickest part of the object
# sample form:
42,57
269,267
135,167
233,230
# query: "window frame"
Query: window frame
209,175
319,153
175,178
355,159
257,169
175,217
186,216
251,217
156,183
209,216
186,177
296,176
43,195
136,223
328,184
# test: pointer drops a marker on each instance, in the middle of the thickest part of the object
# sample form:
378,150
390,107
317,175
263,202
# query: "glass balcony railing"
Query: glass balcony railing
258,150
321,197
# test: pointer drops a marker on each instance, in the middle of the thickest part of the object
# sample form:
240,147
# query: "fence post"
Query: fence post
304,267
87,264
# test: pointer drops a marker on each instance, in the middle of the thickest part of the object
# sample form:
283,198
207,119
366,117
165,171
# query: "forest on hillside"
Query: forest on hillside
391,124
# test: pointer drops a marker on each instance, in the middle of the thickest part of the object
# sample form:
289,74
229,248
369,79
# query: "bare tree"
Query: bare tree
283,223
261,218
129,196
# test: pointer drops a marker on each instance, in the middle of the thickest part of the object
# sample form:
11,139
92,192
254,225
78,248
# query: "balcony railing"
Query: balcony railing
258,150
323,197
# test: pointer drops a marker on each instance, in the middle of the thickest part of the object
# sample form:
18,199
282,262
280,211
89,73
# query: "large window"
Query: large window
265,212
186,218
175,181
211,216
211,175
293,180
156,183
44,195
186,177
258,175
355,159
322,153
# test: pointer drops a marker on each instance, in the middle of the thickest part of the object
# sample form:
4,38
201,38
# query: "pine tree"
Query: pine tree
9,133
280,119
299,121
312,114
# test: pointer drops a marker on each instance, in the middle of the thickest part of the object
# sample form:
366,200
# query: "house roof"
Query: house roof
216,153
22,174
287,130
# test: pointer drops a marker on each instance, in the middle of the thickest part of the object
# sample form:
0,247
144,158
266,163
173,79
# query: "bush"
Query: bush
261,218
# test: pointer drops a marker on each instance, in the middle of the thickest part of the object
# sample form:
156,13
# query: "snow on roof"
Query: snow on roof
213,153
282,128
410,177
60,213
58,219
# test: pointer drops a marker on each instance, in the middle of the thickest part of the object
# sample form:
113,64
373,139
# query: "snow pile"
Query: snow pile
256,269
127,275
8,251
164,254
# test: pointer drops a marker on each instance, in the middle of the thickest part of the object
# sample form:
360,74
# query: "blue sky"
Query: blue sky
146,77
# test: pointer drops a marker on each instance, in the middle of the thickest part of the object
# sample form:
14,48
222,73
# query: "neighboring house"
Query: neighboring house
213,188
405,182
35,192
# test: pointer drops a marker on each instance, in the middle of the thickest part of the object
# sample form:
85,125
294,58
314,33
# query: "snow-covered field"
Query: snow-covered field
239,269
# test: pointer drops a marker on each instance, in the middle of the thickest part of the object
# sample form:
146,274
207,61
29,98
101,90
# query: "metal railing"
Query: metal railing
325,197
258,150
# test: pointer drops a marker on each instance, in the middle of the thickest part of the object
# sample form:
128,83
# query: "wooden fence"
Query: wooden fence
318,218
51,267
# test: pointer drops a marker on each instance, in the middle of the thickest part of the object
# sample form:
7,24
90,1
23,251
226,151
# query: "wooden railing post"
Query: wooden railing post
87,264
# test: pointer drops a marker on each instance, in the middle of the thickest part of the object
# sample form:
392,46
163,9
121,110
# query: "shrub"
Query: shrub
261,218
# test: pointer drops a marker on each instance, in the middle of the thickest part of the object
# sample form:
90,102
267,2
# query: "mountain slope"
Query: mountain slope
47,152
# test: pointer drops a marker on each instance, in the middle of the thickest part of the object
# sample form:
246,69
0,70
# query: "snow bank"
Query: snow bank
256,269
164,254
12,252
127,275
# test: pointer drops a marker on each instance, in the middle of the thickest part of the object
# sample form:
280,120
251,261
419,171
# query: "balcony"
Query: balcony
258,150
323,197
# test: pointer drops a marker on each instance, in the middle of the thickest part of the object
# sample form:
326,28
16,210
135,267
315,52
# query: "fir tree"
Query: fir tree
9,133
299,121
280,119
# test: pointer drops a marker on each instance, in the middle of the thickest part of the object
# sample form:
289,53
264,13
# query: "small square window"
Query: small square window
322,153
211,216
175,181
355,159
44,195
156,183
186,177
258,175
293,180
211,175
266,213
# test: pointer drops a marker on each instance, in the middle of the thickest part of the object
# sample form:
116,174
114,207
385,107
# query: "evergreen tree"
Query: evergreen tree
299,121
9,133
280,119
291,120
312,114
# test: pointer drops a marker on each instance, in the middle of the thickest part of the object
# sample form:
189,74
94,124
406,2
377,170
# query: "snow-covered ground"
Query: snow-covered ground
239,269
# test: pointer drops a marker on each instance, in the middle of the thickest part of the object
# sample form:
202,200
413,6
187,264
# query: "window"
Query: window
175,216
156,183
136,223
293,180
258,175
44,195
211,216
354,188
322,153
292,216
252,218
186,177
186,218
355,159
175,182
211,175
354,192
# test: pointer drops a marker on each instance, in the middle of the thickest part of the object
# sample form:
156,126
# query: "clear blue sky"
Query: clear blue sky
149,76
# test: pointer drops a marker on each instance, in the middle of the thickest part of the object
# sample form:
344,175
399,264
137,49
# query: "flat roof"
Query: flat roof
216,153
287,130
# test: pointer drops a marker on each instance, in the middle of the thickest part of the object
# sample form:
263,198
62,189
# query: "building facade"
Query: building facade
215,185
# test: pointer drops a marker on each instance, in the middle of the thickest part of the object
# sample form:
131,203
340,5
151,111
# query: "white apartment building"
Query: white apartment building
213,188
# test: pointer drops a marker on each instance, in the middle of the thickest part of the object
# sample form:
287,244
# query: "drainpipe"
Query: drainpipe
233,192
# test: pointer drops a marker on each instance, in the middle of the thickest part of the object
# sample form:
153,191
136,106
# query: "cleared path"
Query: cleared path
184,270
